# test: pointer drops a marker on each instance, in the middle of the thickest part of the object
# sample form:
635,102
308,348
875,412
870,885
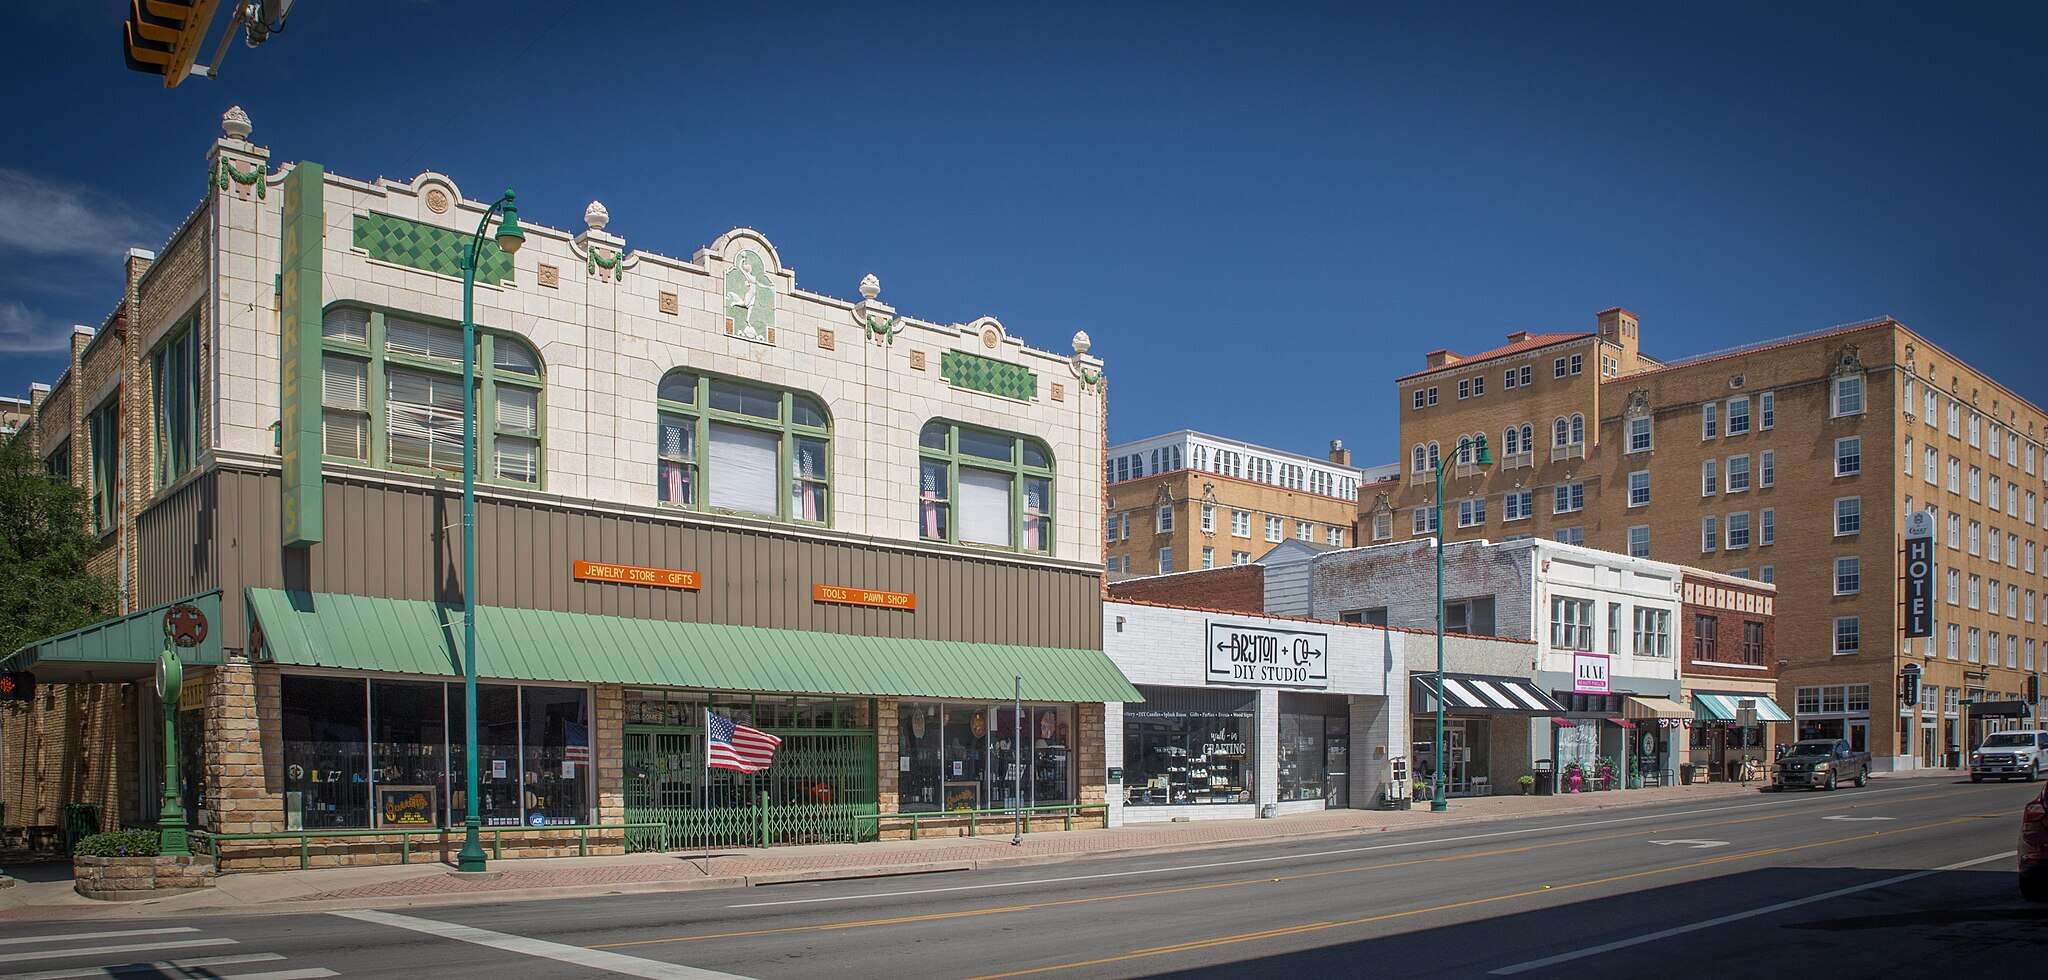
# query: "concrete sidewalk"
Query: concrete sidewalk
393,886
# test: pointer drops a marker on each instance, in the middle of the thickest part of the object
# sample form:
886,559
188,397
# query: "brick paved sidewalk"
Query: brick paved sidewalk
564,877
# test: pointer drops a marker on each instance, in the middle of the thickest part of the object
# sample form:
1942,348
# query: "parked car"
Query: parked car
1820,763
2034,849
2008,754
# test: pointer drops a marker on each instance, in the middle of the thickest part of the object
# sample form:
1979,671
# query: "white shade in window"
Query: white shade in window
984,507
344,382
518,410
518,460
511,355
742,469
424,419
422,339
346,323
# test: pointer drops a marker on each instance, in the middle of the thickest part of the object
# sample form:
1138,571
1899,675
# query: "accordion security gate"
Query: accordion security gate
821,789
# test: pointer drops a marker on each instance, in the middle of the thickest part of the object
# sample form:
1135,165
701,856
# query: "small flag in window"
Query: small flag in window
737,747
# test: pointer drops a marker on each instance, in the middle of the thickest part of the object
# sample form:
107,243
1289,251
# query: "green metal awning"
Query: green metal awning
124,648
407,636
1723,706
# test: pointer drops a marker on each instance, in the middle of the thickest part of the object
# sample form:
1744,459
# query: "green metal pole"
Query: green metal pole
471,857
1438,803
170,822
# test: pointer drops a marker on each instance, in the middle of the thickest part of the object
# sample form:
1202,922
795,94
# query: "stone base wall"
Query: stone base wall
367,850
987,825
127,878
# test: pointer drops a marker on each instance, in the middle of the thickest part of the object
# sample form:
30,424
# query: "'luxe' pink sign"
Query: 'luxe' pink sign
1589,673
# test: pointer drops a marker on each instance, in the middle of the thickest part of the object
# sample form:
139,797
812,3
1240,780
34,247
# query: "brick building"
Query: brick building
1790,461
701,487
1188,500
1727,634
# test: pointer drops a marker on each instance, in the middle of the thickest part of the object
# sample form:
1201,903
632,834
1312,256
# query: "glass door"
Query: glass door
1336,772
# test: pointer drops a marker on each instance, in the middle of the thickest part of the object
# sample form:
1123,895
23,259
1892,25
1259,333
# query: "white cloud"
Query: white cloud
42,217
25,331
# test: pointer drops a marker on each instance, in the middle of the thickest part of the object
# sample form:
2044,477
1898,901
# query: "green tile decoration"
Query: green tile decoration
964,370
429,248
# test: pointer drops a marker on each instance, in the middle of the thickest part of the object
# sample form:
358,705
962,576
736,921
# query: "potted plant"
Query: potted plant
1604,771
1527,782
1574,777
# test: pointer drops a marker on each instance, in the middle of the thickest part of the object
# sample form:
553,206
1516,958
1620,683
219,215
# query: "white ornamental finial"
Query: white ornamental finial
235,123
870,287
1081,342
595,216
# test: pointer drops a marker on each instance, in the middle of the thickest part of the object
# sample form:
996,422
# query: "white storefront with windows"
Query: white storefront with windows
1245,711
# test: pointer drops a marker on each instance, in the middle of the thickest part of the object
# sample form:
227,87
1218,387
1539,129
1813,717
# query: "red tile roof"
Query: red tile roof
1524,345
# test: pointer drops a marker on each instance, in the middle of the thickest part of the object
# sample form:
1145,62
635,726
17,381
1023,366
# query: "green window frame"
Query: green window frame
953,456
103,432
709,427
174,390
391,396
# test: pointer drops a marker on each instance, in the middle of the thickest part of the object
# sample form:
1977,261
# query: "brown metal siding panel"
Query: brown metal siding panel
405,543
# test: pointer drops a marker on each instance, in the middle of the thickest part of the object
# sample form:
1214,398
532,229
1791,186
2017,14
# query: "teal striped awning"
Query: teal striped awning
1724,706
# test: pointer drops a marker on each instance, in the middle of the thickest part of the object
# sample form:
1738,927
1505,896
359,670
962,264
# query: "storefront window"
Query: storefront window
1189,747
409,741
362,754
957,756
1310,726
326,774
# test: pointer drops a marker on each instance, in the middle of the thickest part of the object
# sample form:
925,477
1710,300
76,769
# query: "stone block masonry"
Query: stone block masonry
121,879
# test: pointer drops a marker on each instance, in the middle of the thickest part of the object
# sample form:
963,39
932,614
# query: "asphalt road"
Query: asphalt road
1908,875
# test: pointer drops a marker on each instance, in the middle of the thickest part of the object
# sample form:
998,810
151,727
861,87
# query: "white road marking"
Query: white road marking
1696,845
54,954
1857,819
313,973
1739,916
96,935
1294,857
158,968
596,959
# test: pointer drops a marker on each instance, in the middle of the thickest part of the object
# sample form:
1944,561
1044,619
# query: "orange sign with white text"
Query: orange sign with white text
667,578
864,597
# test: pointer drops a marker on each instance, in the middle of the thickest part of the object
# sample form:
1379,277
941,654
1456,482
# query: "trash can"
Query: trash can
1685,770
81,820
1546,777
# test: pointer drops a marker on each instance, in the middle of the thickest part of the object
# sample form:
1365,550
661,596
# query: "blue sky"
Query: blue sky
1262,215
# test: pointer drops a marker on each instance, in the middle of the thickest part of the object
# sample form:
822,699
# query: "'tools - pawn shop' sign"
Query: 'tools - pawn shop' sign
1267,657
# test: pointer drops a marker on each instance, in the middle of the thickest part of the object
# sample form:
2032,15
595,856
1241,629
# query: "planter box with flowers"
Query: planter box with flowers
124,865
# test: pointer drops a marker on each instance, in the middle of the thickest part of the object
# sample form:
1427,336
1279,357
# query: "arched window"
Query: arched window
1421,459
1464,450
391,396
1435,456
1511,443
983,487
735,447
1528,438
1561,432
1578,429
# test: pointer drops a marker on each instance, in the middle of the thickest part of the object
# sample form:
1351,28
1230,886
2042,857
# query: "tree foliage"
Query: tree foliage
44,585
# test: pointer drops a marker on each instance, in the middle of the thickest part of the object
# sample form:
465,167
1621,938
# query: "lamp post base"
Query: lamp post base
1439,806
471,857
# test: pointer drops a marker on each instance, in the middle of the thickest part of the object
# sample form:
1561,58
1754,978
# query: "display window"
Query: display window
374,753
1189,747
1315,739
958,755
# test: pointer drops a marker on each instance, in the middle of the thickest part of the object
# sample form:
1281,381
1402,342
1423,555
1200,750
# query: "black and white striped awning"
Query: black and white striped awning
1483,694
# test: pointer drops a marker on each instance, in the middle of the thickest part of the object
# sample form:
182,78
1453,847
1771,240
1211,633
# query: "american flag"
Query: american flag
737,747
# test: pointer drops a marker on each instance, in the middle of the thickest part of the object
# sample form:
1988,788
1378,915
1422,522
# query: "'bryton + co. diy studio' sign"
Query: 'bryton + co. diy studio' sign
1267,657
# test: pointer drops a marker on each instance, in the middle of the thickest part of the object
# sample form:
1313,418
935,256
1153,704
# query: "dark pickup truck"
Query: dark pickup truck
1820,763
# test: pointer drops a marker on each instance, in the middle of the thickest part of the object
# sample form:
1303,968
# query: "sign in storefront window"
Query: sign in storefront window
1186,747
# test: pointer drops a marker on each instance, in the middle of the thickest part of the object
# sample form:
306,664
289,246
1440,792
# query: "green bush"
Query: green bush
119,843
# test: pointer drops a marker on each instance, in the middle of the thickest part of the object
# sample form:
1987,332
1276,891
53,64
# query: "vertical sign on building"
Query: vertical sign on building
1919,574
299,352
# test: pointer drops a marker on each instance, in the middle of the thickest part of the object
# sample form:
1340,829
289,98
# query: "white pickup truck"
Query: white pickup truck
2008,754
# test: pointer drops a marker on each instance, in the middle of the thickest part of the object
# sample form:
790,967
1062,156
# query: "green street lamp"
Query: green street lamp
509,238
1481,456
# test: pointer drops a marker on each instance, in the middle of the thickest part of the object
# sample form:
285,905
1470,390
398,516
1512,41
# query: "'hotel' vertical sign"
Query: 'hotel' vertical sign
299,353
1919,574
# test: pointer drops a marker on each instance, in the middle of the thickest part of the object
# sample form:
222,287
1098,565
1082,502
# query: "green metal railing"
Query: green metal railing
450,837
1005,817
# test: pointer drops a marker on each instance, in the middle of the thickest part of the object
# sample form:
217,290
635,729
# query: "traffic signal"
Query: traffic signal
162,37
17,685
